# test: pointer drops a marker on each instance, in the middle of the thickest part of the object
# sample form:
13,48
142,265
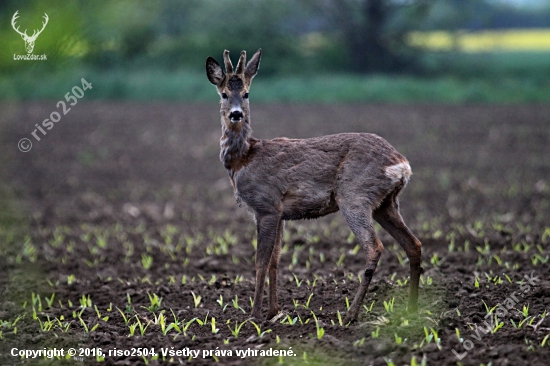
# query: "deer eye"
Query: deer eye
224,95
245,96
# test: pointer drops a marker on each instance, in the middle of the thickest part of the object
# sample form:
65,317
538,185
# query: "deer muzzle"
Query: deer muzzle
236,115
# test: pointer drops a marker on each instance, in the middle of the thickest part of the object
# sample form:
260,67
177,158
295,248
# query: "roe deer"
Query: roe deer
360,174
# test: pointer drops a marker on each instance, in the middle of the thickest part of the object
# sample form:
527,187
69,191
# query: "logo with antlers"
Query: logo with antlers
29,40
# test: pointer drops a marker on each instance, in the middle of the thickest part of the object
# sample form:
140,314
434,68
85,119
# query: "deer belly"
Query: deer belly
297,206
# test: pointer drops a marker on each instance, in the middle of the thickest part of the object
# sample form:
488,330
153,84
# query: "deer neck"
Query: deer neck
235,144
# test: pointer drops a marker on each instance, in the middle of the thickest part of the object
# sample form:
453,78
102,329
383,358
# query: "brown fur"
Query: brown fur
359,174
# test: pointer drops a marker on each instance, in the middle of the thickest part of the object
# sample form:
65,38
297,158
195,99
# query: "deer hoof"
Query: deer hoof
350,319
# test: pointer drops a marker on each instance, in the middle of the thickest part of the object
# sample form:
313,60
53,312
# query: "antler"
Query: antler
227,61
241,64
13,19
35,34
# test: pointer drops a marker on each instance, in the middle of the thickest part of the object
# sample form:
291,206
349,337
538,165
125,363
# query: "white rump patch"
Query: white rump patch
397,172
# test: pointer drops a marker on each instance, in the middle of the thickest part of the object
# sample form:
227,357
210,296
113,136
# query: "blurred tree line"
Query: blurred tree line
300,36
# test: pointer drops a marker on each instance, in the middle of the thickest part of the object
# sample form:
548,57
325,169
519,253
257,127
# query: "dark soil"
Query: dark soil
126,201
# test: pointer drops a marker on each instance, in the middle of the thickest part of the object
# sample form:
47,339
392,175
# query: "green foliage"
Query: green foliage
156,51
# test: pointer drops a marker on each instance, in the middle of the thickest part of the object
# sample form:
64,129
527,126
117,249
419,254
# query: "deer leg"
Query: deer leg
388,216
267,232
272,272
360,222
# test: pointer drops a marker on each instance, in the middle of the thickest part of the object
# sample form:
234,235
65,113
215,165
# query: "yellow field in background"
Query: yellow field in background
505,40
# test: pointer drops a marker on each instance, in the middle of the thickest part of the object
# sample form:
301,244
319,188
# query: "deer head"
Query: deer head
29,40
233,87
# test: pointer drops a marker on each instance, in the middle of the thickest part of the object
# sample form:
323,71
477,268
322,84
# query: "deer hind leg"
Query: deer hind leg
359,219
267,226
388,216
272,272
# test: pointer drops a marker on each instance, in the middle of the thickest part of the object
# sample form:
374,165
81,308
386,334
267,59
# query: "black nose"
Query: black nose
236,115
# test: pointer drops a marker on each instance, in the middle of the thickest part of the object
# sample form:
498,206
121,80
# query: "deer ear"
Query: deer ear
253,66
214,72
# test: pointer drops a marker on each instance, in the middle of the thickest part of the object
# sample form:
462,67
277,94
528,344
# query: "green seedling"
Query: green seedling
235,302
36,302
196,299
340,319
457,332
47,325
212,280
85,302
340,261
129,309
487,310
124,317
288,320
301,321
369,309
49,301
520,324
436,338
63,326
388,305
235,332
315,279
155,302
398,339
146,261
259,330
202,322
402,283
160,320
498,325
347,303
319,329
105,318
525,311
306,306
538,258
83,324
213,324
132,328
298,282
187,325
142,327
435,260
485,250
428,336
375,333
543,343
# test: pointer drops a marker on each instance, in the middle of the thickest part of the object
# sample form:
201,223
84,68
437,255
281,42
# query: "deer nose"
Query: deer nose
236,115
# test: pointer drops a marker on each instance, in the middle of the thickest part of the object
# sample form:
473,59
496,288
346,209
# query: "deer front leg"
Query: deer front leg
267,232
272,271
